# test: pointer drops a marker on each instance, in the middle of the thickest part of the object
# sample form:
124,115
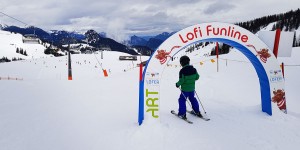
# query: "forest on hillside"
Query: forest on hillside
289,21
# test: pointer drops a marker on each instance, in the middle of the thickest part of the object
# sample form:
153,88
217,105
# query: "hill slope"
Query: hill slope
11,42
46,111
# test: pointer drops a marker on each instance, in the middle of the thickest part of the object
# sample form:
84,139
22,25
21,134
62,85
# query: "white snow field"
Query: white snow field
45,111
11,41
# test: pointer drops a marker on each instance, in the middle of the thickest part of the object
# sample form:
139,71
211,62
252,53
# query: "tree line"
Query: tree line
5,59
21,51
289,21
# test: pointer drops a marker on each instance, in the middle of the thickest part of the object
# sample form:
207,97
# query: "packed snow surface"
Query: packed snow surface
46,111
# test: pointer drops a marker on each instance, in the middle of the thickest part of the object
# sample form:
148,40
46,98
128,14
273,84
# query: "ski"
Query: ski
193,113
174,113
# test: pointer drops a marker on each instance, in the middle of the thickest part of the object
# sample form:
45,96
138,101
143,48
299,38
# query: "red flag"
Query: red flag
105,73
276,42
217,50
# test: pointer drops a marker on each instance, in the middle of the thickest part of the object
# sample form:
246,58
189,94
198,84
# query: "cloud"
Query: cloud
121,18
219,7
116,29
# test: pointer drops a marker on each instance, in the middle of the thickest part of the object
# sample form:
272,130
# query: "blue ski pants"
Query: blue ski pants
182,102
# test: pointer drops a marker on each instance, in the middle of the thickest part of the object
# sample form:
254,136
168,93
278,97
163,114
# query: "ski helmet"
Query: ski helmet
184,60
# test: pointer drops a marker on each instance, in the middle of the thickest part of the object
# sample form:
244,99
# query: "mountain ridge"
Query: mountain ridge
145,45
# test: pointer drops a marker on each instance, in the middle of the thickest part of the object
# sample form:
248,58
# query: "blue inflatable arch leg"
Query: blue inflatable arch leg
260,71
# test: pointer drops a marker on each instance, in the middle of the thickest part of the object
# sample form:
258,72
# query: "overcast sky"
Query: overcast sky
121,18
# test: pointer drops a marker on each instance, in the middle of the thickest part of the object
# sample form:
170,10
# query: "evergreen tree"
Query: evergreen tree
274,27
288,21
298,42
18,51
21,51
294,40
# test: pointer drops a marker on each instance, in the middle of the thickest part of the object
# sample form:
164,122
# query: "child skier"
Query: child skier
187,77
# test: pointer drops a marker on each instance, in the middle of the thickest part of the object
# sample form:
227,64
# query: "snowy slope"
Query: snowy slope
270,26
9,42
46,111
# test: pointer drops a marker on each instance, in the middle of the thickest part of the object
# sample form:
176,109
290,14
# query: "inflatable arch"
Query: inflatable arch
265,63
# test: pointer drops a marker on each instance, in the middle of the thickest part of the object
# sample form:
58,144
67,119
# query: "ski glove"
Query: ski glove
176,85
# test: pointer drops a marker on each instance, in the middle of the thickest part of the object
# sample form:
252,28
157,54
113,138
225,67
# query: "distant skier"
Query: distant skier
187,77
